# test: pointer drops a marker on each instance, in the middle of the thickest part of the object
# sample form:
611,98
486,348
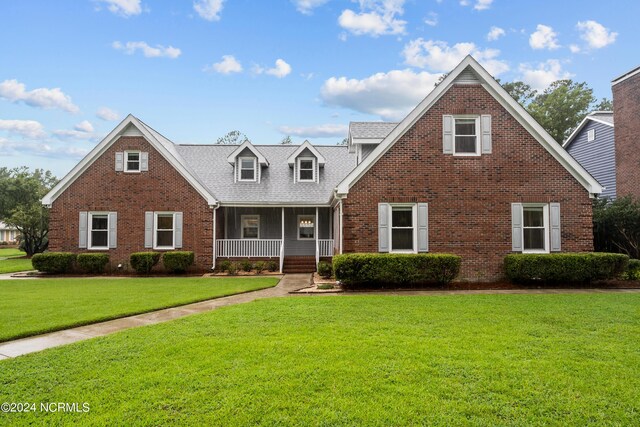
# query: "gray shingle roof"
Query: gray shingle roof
605,116
371,130
209,164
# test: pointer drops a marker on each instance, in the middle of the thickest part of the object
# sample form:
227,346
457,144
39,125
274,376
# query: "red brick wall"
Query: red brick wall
626,112
162,188
469,198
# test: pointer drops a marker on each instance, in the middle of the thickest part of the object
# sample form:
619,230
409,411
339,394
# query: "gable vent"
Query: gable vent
467,77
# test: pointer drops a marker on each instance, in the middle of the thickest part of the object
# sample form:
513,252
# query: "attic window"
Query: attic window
591,135
306,169
466,136
132,161
247,168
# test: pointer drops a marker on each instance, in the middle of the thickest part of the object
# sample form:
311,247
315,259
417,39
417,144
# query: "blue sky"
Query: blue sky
70,70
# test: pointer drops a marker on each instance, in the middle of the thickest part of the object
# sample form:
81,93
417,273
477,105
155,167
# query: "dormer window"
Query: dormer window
306,169
247,168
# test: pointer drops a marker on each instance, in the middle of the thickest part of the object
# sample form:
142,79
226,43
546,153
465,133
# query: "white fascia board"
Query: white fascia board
292,158
261,158
515,109
367,140
107,142
625,76
580,126
273,204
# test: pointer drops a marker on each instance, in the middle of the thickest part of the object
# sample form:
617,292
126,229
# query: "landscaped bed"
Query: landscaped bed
30,307
355,360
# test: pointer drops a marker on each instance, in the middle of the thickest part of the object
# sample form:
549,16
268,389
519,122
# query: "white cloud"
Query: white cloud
479,4
84,126
124,8
228,65
595,34
389,95
209,9
281,69
542,75
495,33
148,51
14,91
319,131
431,19
26,128
107,114
376,17
8,147
306,6
574,48
439,56
83,130
544,38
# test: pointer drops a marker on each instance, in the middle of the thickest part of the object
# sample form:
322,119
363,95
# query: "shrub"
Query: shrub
92,263
224,265
177,261
259,266
272,266
246,265
565,267
633,270
233,269
4,243
143,262
54,262
372,270
325,270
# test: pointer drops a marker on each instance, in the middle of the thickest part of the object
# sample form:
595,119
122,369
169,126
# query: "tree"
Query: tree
561,107
605,104
616,226
286,140
20,193
235,137
521,92
344,141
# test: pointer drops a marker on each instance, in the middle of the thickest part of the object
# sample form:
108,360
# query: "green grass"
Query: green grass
29,307
11,252
514,360
13,265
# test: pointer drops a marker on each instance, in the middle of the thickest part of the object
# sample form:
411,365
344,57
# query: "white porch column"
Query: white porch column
282,244
213,267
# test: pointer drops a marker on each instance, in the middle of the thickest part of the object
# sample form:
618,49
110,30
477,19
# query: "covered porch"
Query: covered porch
276,233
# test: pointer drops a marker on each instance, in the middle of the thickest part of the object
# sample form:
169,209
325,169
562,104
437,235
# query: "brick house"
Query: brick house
626,110
468,171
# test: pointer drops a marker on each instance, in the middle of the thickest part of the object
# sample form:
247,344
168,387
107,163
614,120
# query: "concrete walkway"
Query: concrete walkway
288,283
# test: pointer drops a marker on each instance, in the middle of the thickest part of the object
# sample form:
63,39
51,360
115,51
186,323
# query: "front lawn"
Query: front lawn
11,252
363,360
13,265
30,307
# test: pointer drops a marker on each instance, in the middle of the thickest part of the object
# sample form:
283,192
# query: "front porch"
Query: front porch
276,233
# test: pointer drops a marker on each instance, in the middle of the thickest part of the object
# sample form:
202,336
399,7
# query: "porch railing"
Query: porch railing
248,248
325,247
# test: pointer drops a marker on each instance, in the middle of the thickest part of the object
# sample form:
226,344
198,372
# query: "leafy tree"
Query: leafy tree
616,226
20,193
344,141
235,137
286,140
561,107
605,104
521,92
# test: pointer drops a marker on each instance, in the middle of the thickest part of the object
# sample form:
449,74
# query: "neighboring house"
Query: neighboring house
626,109
592,145
8,233
468,171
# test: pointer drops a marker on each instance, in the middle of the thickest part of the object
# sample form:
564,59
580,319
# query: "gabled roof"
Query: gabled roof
604,117
165,147
306,145
625,76
248,146
370,130
494,88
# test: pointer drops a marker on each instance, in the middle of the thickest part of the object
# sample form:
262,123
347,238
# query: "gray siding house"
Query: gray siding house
592,145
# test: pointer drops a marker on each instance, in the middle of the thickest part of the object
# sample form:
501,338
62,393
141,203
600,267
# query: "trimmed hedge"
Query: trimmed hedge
565,267
92,263
633,270
178,261
325,270
143,262
54,262
374,270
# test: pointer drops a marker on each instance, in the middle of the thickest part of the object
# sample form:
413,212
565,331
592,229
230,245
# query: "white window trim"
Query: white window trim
90,229
242,218
126,161
315,227
414,219
155,230
255,174
547,230
478,136
313,170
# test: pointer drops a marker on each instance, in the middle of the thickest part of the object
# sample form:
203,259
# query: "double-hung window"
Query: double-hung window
306,227
465,136
306,169
535,227
250,226
164,233
247,168
402,229
98,231
132,161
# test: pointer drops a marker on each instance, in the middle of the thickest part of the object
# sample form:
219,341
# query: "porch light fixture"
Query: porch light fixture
306,223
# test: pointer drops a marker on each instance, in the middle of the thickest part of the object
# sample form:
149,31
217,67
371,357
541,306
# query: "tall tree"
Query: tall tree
561,107
235,137
286,140
605,104
521,92
20,193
